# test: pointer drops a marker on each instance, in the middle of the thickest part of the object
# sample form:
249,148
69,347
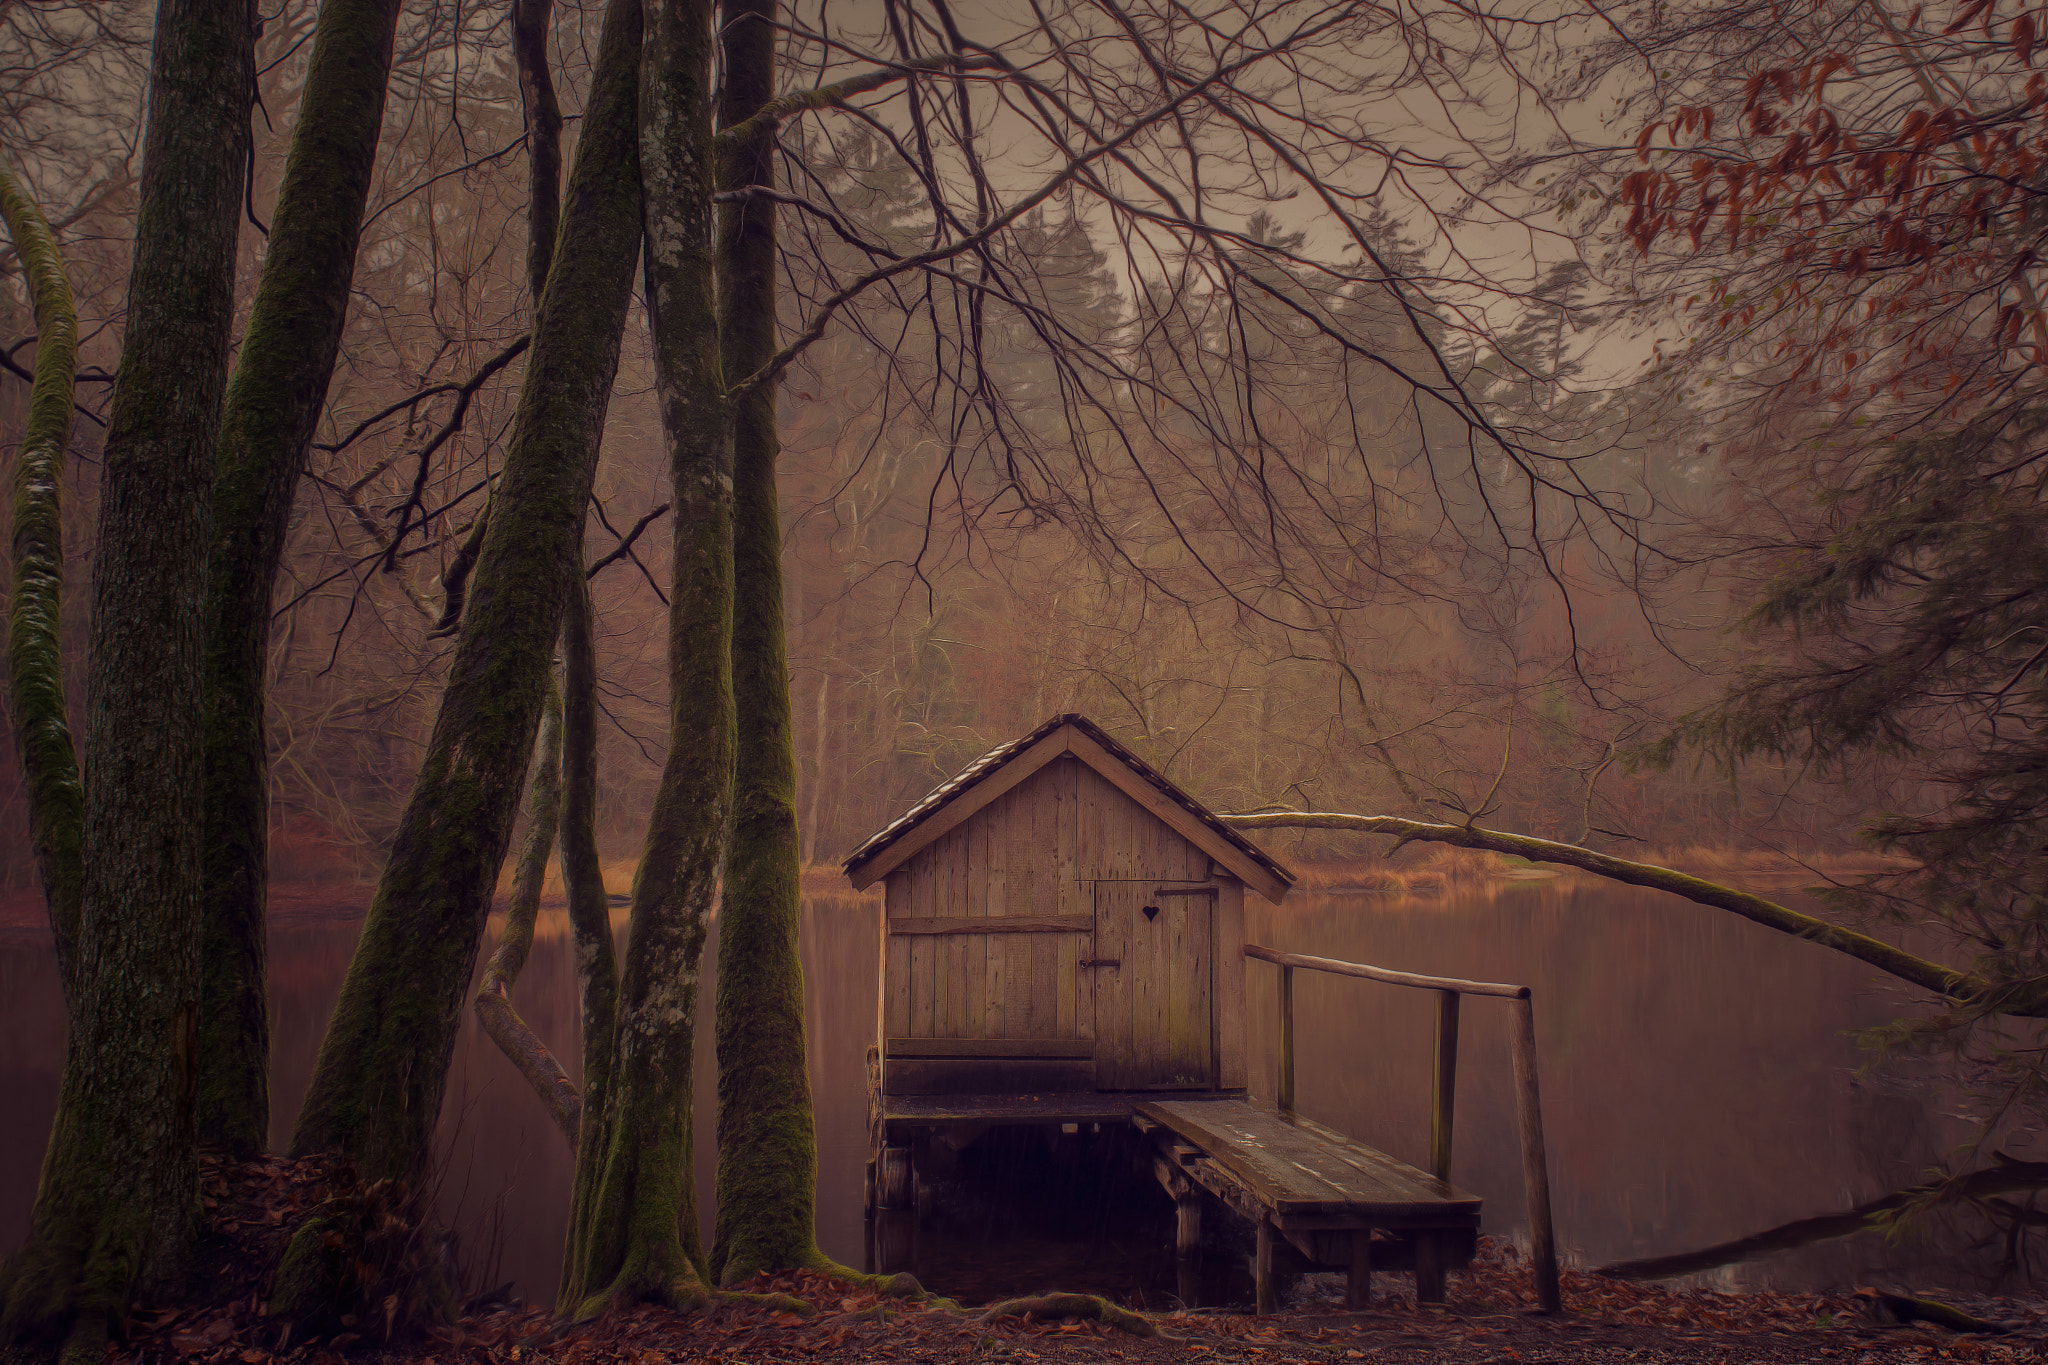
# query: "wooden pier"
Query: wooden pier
1064,945
1318,1190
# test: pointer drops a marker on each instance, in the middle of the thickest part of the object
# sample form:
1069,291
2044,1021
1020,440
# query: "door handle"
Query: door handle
1101,962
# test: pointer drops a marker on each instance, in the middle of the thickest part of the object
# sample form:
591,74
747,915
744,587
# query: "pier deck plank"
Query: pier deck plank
1302,1168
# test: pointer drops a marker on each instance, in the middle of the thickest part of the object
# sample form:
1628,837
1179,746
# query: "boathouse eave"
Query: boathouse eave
1000,770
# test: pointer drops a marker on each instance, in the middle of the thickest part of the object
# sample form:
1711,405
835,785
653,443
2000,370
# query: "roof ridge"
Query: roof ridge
994,759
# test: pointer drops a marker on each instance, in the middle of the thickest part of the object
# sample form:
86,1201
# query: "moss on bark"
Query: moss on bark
35,663
590,913
117,1207
274,402
767,1166
633,1229
377,1087
494,1011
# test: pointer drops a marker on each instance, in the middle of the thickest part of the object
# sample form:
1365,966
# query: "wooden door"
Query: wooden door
1155,1024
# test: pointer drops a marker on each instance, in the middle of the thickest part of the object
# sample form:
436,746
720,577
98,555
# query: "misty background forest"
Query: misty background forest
1612,428
1386,625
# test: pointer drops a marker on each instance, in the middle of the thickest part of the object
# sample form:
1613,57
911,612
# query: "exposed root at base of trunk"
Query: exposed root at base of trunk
1092,1307
682,1295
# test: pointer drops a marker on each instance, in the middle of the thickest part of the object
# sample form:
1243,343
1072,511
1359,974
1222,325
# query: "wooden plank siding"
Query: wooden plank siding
1060,866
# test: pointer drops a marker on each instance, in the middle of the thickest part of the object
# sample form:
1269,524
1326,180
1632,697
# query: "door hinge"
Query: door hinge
1101,962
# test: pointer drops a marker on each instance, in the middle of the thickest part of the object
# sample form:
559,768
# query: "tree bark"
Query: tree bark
767,1148
377,1087
494,1011
633,1229
274,402
543,115
118,1203
35,663
590,913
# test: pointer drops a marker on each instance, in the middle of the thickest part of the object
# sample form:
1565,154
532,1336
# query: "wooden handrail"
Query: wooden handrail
1444,1079
1392,978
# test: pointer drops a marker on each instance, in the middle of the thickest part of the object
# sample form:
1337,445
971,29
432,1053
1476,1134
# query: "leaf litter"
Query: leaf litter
1489,1319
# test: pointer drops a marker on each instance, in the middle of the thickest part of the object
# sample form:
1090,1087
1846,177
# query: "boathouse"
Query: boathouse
1061,918
1064,949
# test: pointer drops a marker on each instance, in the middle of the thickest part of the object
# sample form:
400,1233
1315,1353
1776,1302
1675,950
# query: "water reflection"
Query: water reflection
1696,1083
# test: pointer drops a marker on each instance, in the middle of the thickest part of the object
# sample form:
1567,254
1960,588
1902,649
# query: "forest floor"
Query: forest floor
251,1210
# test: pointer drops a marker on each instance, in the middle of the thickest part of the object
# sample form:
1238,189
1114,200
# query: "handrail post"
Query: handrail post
1286,1084
1443,1095
1535,1167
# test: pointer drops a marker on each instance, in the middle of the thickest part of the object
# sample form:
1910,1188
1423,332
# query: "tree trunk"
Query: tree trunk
633,1230
274,402
767,1150
590,912
543,116
35,663
118,1203
494,1011
377,1086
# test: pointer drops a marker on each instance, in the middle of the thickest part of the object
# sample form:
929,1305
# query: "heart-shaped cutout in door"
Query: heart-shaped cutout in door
1151,912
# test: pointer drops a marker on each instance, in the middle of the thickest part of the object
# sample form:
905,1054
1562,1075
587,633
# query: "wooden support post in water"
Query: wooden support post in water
895,1188
1429,1266
1262,1270
1535,1166
1187,1247
1286,1082
1358,1280
1187,1224
1443,1099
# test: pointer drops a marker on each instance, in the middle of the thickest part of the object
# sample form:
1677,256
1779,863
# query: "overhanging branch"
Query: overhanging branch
1943,981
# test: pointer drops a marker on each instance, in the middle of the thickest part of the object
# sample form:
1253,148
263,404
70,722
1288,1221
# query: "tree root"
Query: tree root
1088,1306
683,1295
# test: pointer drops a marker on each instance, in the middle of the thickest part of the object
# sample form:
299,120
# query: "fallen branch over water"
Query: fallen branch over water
1942,980
2007,1177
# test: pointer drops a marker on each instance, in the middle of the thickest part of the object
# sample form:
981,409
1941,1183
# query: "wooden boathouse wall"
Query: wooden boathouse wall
1070,923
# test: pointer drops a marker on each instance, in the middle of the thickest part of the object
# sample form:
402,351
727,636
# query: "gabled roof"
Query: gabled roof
974,787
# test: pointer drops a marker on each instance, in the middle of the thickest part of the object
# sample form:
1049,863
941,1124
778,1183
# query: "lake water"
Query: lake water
1697,1083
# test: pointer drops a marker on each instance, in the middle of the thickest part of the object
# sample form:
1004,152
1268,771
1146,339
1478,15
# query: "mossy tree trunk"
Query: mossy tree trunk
767,1150
118,1202
543,118
494,1010
377,1087
35,663
633,1229
590,918
274,402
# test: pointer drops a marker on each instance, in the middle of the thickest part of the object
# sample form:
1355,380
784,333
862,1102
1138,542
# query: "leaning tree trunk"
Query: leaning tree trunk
377,1087
35,662
767,1149
274,402
118,1204
633,1229
494,1009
